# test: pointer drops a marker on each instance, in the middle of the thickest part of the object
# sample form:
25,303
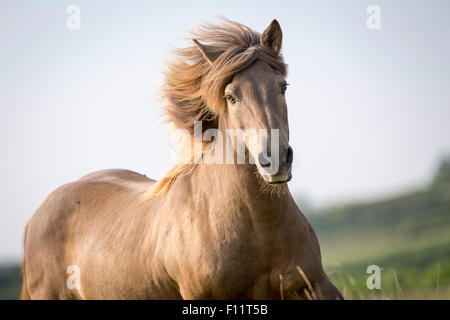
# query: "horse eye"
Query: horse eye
230,99
283,88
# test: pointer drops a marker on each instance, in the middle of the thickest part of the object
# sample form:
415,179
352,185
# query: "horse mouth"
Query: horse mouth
278,179
280,182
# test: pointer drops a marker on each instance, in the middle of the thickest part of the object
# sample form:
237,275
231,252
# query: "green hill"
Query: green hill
10,282
408,235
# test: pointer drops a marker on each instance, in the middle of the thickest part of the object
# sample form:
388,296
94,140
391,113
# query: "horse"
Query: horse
205,230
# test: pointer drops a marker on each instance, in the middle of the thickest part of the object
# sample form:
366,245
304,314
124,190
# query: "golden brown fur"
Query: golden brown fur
219,232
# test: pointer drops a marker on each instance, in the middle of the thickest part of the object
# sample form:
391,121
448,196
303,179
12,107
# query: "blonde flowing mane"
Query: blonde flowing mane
196,78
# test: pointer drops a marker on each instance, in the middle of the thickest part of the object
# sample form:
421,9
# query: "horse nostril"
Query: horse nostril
263,160
289,157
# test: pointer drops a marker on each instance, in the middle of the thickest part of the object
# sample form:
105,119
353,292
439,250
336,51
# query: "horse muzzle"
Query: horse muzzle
276,172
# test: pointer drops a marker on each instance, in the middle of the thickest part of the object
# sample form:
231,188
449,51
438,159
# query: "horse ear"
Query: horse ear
203,51
272,36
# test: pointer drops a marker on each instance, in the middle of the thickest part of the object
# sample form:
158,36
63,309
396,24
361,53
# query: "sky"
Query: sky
369,109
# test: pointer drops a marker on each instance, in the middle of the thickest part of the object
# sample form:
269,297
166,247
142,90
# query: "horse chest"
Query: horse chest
238,268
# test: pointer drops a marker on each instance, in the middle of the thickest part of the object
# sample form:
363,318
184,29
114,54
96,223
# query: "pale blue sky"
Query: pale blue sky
369,110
